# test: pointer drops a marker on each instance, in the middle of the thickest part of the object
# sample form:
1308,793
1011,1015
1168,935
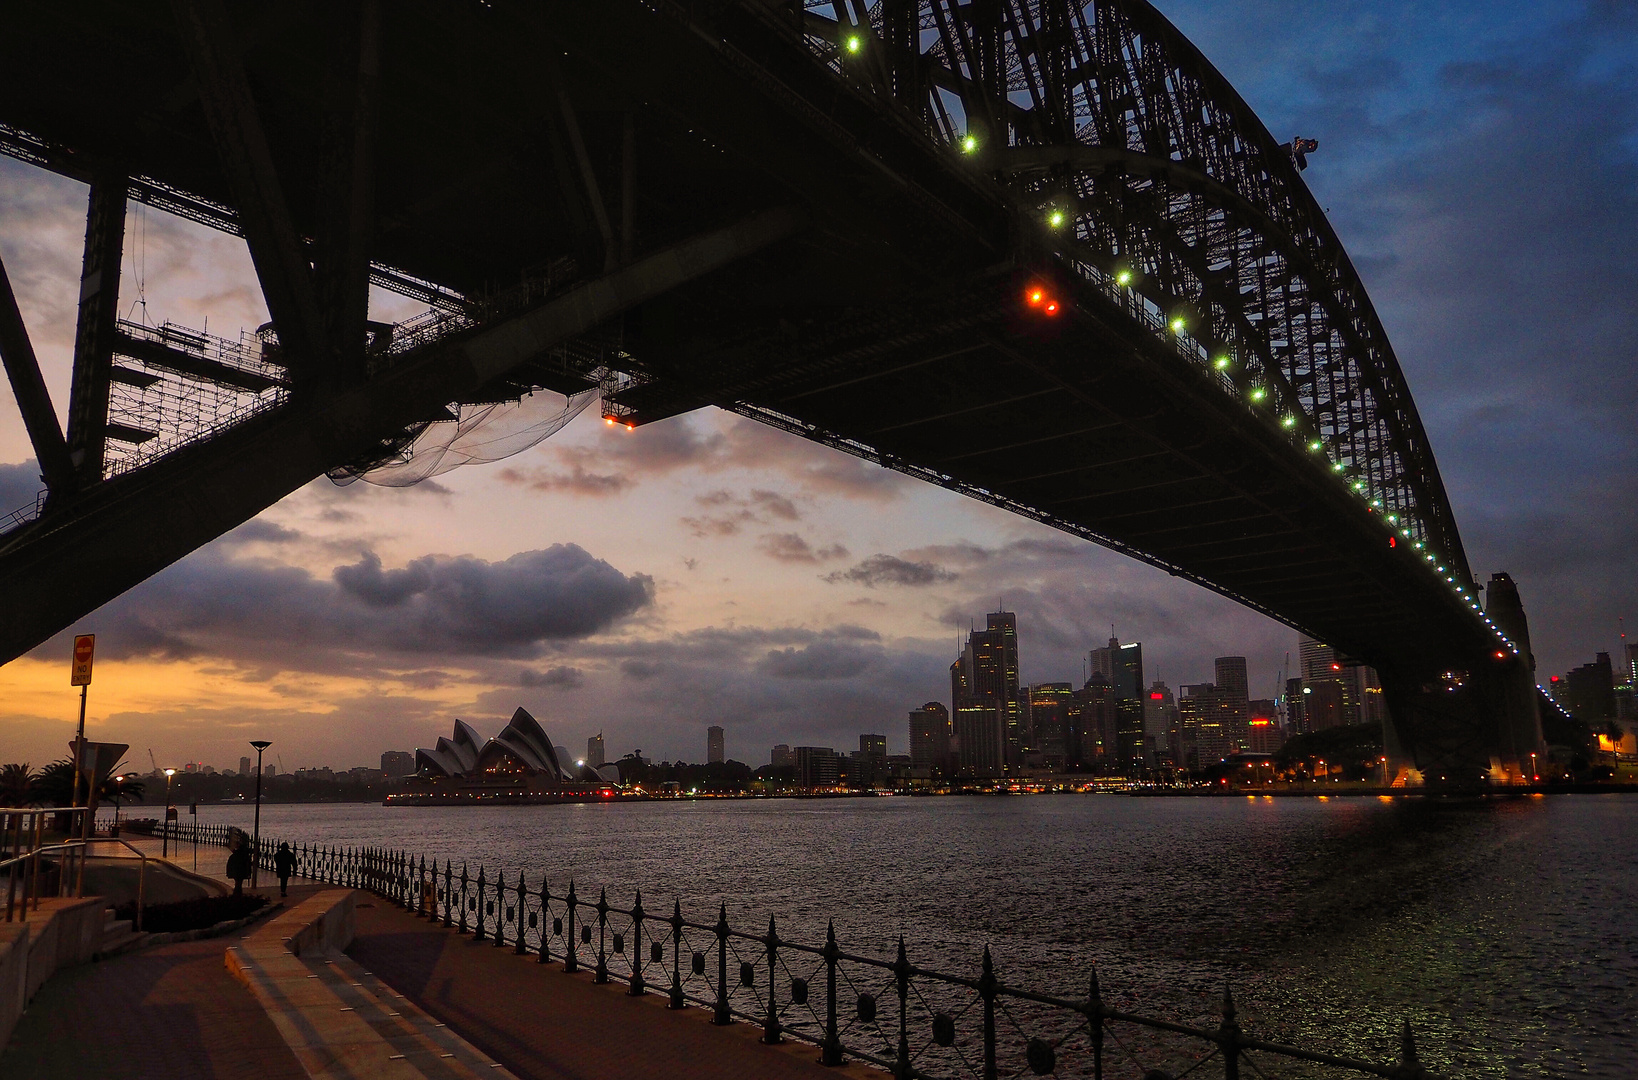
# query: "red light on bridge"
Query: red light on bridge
1036,296
1392,542
1500,655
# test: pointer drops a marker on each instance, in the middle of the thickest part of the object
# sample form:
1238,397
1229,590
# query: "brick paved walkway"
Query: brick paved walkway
546,1025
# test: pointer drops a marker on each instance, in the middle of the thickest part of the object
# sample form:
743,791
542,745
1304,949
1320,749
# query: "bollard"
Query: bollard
676,1001
722,1015
831,1052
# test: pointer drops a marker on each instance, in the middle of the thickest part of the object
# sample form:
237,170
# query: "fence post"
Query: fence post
901,968
602,973
545,918
831,1053
449,896
523,901
770,1026
1228,1038
461,926
477,933
636,954
722,1016
676,1001
986,990
571,962
500,907
1094,1020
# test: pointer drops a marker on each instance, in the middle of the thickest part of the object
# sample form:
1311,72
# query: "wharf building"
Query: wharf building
520,765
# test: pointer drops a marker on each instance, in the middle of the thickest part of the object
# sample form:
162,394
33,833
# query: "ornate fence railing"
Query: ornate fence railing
912,1021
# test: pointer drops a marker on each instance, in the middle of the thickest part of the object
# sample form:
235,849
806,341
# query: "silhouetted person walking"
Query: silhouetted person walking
238,864
284,864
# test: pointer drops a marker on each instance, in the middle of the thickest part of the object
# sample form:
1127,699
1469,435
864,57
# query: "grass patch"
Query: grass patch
197,914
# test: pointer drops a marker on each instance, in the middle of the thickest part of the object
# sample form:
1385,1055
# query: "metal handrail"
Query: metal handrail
33,856
510,914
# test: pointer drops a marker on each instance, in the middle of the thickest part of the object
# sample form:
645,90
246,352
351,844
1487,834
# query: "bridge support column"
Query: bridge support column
1466,728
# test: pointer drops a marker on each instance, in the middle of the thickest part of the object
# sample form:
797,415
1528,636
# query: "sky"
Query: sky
1479,161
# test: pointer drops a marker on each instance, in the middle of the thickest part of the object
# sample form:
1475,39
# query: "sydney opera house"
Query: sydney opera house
519,765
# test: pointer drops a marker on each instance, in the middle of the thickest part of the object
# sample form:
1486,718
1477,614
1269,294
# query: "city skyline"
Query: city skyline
721,572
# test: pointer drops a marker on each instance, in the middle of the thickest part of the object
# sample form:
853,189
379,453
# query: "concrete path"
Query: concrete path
164,1013
543,1024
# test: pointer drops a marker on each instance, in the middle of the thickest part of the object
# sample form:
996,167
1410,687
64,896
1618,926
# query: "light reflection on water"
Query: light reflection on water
1505,931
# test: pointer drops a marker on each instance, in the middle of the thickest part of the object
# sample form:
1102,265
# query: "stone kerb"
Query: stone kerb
59,934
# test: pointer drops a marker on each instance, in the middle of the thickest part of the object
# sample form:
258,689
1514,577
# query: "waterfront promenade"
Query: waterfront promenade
173,1011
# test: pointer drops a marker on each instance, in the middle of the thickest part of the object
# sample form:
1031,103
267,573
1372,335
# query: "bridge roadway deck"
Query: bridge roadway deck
174,1011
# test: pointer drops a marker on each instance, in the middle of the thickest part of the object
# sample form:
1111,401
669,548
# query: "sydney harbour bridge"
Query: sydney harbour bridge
1039,252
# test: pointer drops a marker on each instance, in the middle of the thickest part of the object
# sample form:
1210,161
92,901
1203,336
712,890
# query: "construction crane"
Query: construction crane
151,760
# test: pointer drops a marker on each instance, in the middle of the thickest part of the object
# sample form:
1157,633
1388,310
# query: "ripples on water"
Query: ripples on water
1505,931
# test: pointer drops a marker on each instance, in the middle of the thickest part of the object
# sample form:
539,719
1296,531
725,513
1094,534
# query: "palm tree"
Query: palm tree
16,784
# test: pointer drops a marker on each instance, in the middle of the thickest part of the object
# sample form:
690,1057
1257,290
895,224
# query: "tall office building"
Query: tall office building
1632,663
817,767
244,766
1049,708
867,767
1262,733
986,676
1218,720
713,745
595,752
1296,719
981,743
1160,721
929,740
1358,686
1232,684
1090,743
783,757
1589,690
1122,666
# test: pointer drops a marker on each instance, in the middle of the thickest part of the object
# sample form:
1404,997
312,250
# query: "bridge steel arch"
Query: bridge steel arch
822,216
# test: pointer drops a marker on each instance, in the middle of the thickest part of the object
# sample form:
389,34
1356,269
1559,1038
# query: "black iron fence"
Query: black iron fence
909,1020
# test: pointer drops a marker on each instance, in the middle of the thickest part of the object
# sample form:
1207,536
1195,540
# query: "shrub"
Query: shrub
197,914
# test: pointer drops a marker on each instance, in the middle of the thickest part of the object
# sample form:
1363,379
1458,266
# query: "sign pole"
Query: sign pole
84,650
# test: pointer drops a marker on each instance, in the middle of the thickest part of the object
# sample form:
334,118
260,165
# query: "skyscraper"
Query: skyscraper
1049,708
1234,689
244,766
986,676
713,745
1122,666
1296,718
929,740
783,757
980,740
594,751
1355,681
1091,739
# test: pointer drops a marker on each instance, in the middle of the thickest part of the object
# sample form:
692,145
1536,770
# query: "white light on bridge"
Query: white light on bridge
1288,421
969,144
1125,278
1178,325
1057,219
853,44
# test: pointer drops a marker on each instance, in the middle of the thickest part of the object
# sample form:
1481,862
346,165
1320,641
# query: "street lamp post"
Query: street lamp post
256,835
165,844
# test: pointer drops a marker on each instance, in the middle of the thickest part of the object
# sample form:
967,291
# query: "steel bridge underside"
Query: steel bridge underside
765,245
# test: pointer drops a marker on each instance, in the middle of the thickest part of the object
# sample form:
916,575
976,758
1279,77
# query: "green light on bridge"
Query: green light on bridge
969,144
1123,278
1178,325
853,44
1288,421
1057,219
1258,393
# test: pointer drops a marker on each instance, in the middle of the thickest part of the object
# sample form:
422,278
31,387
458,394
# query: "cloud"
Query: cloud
265,614
561,677
19,484
891,570
791,547
576,481
640,669
821,660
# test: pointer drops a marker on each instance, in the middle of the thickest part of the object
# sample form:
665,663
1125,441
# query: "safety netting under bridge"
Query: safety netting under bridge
472,434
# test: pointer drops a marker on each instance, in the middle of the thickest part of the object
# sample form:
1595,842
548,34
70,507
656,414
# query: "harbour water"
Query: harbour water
1506,931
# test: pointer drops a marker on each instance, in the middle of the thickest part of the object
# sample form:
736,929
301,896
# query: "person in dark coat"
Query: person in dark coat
284,864
238,864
